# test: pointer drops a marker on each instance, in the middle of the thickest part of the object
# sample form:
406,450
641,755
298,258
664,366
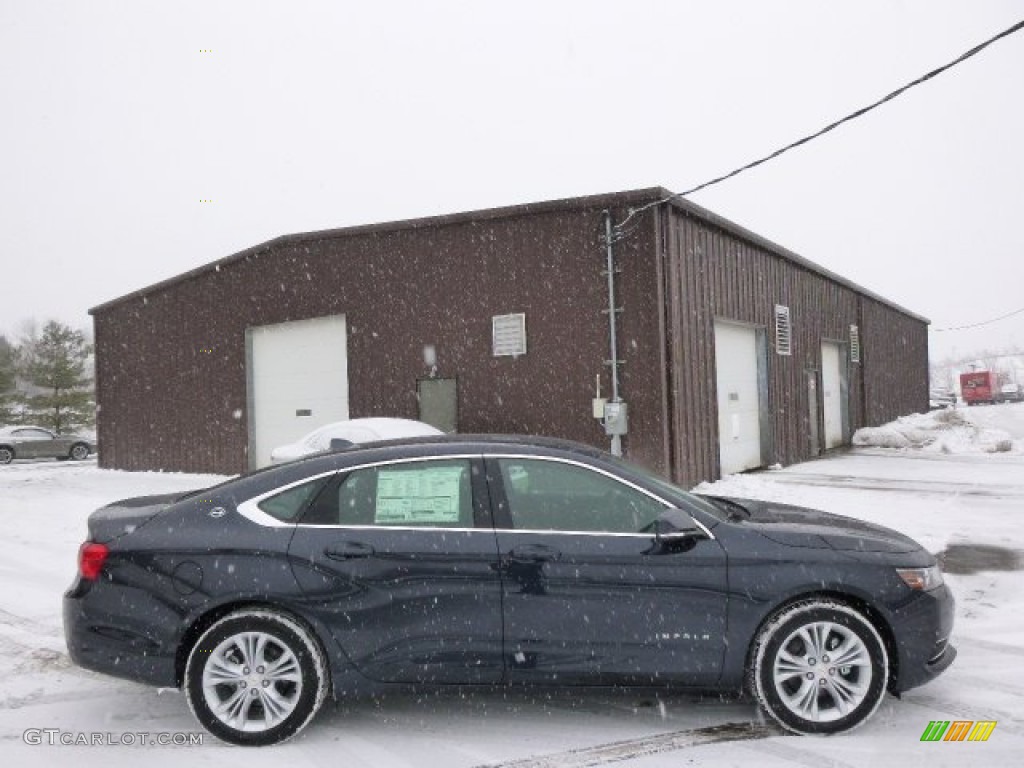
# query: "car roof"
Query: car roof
407,448
482,443
413,447
431,445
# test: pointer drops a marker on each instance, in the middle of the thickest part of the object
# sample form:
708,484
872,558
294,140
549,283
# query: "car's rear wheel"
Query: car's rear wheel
818,667
79,451
256,677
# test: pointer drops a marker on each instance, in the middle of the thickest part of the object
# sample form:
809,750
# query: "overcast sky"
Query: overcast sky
119,118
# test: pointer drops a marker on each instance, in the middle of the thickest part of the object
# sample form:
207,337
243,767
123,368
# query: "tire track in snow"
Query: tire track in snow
617,751
918,487
39,697
35,627
989,684
990,645
793,754
21,648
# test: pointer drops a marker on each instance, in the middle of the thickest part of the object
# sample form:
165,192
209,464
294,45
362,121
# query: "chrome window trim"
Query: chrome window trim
606,473
250,510
419,528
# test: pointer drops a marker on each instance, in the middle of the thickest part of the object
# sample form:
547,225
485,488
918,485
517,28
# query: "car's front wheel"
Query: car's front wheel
818,667
256,677
79,452
6,455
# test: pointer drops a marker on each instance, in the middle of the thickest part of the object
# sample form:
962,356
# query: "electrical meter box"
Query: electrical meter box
616,418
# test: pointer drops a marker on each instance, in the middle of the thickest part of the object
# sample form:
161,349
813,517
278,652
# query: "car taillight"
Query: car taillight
91,557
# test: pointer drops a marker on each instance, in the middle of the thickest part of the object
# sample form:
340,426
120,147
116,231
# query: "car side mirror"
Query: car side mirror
338,444
675,525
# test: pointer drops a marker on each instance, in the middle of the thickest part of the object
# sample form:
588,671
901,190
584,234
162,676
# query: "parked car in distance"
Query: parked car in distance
1011,393
351,432
497,561
941,397
38,443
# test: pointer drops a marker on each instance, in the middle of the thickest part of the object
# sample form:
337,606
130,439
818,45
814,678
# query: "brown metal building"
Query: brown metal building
734,352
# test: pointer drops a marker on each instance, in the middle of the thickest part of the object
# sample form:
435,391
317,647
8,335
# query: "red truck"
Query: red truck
979,387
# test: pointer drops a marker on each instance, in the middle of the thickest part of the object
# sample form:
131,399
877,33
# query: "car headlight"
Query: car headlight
921,578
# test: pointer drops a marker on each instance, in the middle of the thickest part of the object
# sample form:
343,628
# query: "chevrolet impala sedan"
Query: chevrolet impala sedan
497,561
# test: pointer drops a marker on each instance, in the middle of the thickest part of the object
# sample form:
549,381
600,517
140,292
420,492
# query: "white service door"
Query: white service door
299,381
739,407
832,393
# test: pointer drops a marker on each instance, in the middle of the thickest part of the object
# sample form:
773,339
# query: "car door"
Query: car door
33,443
399,560
589,597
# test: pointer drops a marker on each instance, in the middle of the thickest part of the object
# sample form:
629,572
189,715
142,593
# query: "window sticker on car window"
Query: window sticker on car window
418,496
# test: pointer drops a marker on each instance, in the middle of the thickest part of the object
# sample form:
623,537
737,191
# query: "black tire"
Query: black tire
6,454
285,700
797,683
79,452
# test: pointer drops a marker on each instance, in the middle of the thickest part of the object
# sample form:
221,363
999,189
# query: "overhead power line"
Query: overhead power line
831,126
978,325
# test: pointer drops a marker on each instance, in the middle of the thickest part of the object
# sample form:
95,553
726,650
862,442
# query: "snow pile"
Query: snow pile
944,431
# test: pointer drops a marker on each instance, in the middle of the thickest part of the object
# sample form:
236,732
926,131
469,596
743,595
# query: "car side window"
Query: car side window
429,494
33,434
554,496
288,505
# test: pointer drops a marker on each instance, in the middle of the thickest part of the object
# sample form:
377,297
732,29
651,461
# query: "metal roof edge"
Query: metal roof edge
635,197
609,199
721,222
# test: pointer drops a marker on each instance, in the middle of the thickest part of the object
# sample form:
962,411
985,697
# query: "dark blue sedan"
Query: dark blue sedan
487,561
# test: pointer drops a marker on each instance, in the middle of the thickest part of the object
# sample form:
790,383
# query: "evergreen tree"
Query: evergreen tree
8,372
54,363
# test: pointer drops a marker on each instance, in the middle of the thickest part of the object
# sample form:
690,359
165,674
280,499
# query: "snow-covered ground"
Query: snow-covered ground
961,501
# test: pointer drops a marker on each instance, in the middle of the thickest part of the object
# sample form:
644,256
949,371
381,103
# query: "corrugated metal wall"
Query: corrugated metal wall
713,274
895,363
171,365
171,361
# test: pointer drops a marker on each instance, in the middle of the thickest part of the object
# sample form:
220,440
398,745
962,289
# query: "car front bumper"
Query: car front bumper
922,628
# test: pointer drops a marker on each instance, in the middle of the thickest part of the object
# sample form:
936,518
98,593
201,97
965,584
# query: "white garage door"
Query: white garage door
832,393
739,408
298,381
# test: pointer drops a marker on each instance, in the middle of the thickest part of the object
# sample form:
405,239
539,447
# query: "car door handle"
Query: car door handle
348,550
534,553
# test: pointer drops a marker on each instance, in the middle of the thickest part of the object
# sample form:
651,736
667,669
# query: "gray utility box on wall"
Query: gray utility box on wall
616,418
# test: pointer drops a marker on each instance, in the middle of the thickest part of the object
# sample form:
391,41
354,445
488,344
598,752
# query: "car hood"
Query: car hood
121,517
804,527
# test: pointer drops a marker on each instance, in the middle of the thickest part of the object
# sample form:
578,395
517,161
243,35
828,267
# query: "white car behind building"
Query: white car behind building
352,431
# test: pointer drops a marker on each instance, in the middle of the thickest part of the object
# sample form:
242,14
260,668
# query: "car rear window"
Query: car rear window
427,494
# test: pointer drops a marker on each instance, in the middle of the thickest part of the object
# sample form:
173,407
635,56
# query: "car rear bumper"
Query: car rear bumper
102,638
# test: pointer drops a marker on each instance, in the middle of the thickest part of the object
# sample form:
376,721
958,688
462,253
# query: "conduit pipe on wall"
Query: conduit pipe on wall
613,346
